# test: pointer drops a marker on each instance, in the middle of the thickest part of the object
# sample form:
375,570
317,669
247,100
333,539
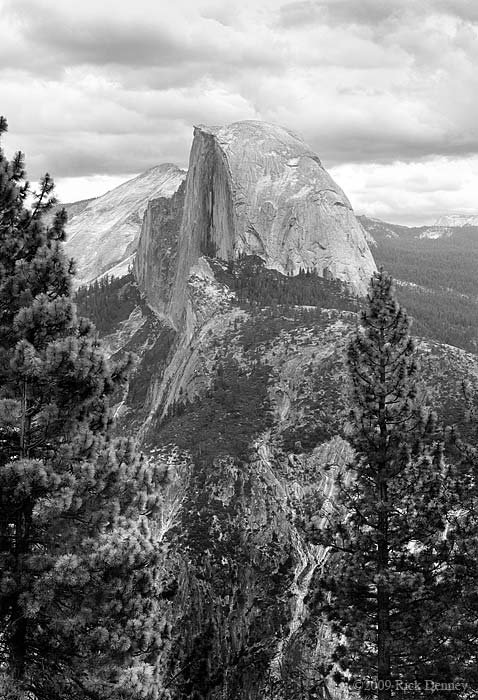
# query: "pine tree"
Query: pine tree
385,584
462,572
81,565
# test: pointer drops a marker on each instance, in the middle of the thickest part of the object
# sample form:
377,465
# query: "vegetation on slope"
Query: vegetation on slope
442,292
449,262
256,285
392,547
108,301
81,565
226,419
441,315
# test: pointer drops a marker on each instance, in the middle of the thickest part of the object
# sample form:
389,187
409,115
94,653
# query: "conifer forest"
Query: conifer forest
235,469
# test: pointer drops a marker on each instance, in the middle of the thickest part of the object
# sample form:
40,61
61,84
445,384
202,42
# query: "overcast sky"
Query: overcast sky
385,91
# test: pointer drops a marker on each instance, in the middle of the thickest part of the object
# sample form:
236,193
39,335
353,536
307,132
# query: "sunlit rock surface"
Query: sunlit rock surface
257,189
103,232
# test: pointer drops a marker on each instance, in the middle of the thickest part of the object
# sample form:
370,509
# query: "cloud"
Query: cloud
338,12
412,194
464,9
87,127
131,35
112,88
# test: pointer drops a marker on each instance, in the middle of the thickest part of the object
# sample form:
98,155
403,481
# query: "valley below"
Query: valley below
238,290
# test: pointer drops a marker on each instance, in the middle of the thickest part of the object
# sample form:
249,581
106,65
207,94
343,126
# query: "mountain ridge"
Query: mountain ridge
457,220
252,188
103,231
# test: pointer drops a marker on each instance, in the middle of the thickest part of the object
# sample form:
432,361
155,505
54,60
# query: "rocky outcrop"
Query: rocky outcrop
102,233
257,400
156,259
256,189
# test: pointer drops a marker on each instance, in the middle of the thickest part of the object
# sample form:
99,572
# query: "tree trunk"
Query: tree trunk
384,691
25,422
17,638
18,643
18,624
383,606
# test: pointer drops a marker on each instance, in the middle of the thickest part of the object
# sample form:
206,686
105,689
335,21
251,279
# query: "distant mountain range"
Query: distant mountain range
457,220
377,229
435,268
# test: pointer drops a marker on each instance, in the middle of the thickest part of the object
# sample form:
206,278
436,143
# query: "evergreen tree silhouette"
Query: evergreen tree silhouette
386,592
81,569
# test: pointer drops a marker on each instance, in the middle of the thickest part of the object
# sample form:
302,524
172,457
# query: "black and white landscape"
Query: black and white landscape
238,420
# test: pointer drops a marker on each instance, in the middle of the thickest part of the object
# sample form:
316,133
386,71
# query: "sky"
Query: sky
385,91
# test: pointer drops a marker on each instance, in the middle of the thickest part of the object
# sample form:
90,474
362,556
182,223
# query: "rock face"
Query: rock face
256,189
258,401
103,233
156,259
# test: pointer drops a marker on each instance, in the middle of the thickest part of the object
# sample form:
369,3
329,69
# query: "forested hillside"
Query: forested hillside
241,495
108,301
437,277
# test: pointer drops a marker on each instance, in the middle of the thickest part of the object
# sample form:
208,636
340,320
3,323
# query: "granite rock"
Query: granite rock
103,232
156,258
257,189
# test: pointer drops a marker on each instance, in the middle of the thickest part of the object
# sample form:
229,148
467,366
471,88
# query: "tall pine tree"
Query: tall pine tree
81,561
462,572
385,586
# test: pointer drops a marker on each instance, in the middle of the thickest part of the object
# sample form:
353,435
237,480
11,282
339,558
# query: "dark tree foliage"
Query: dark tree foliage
443,263
386,590
234,536
234,410
108,301
255,285
442,295
462,575
80,567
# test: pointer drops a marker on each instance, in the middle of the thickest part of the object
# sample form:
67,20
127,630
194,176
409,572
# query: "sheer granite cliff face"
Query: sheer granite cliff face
256,189
103,233
156,259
